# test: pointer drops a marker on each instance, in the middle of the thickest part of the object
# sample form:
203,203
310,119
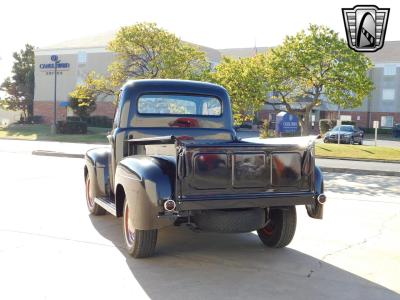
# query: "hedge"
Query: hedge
71,127
380,130
93,121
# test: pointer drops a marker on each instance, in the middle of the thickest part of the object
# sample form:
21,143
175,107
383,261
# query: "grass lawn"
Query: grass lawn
41,132
357,151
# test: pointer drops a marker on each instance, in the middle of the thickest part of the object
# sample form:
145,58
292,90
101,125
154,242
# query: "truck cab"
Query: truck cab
174,158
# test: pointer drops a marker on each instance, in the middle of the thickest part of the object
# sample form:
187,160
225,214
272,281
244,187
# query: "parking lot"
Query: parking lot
50,248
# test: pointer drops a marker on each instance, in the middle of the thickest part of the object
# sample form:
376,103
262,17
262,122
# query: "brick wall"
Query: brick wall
45,109
363,116
376,116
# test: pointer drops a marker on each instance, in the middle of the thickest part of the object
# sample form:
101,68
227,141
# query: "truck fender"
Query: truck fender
97,167
146,182
316,210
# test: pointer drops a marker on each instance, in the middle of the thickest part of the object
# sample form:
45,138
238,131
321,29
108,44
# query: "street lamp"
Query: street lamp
56,61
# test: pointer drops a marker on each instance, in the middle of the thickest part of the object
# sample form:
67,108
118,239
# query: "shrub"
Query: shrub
99,121
325,125
31,120
74,119
71,127
348,123
264,129
380,130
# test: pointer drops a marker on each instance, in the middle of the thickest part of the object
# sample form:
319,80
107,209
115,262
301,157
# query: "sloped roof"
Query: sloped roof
102,40
93,41
390,53
243,52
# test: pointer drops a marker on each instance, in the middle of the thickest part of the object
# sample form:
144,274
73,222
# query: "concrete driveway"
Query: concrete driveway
50,248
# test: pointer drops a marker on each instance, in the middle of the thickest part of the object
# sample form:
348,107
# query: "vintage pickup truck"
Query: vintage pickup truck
175,158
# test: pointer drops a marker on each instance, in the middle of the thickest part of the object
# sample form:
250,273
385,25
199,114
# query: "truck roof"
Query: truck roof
174,85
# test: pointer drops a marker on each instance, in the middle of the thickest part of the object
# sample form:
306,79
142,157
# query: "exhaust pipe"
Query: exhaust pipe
169,205
321,198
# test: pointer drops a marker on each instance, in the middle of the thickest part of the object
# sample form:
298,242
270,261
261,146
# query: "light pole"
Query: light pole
56,61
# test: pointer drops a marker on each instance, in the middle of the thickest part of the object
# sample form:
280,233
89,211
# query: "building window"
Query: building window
389,70
82,58
345,117
388,94
386,121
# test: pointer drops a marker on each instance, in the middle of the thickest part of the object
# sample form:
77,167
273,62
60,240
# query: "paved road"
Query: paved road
50,248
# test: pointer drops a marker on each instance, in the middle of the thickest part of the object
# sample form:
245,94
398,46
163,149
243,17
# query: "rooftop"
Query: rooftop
102,40
390,53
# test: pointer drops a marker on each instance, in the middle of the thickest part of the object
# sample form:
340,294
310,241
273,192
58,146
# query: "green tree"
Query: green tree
19,88
145,51
245,82
313,65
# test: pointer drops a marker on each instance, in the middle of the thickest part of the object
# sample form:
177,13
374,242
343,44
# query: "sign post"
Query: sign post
376,126
54,58
338,123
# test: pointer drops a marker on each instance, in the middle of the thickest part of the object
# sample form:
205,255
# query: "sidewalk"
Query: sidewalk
358,167
76,150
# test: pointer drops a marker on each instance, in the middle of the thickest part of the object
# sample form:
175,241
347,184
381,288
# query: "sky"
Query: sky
213,23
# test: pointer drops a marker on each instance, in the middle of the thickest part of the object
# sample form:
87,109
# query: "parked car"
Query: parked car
349,134
174,159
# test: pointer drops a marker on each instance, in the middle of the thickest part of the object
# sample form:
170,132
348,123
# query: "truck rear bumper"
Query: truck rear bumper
238,201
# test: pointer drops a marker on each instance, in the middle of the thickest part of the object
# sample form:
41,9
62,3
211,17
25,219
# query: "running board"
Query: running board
107,205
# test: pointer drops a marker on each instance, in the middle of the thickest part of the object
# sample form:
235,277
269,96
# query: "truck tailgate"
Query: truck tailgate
242,170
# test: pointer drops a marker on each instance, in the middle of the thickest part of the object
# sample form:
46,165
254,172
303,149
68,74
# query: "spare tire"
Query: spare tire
230,221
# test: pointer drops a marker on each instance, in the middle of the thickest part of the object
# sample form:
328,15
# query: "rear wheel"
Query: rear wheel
280,228
139,243
93,207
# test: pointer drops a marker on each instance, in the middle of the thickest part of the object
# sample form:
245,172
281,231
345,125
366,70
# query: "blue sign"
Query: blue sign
287,123
54,57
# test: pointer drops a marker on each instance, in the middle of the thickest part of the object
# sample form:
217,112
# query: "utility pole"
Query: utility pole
56,61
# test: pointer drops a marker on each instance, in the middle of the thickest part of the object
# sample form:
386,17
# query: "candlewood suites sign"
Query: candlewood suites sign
50,67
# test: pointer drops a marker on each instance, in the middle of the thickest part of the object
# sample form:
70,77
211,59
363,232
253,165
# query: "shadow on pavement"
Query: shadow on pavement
232,266
369,185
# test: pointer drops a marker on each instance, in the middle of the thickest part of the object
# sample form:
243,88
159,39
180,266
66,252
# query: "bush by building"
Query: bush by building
71,127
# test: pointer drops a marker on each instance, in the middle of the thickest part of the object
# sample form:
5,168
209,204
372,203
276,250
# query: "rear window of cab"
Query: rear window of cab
178,104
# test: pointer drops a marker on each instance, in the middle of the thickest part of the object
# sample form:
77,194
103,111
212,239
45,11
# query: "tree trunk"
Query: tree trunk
305,123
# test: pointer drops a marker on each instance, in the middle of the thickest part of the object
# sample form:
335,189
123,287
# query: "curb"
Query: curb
359,159
360,172
57,154
324,169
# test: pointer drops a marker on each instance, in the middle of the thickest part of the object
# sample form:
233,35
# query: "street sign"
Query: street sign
376,124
